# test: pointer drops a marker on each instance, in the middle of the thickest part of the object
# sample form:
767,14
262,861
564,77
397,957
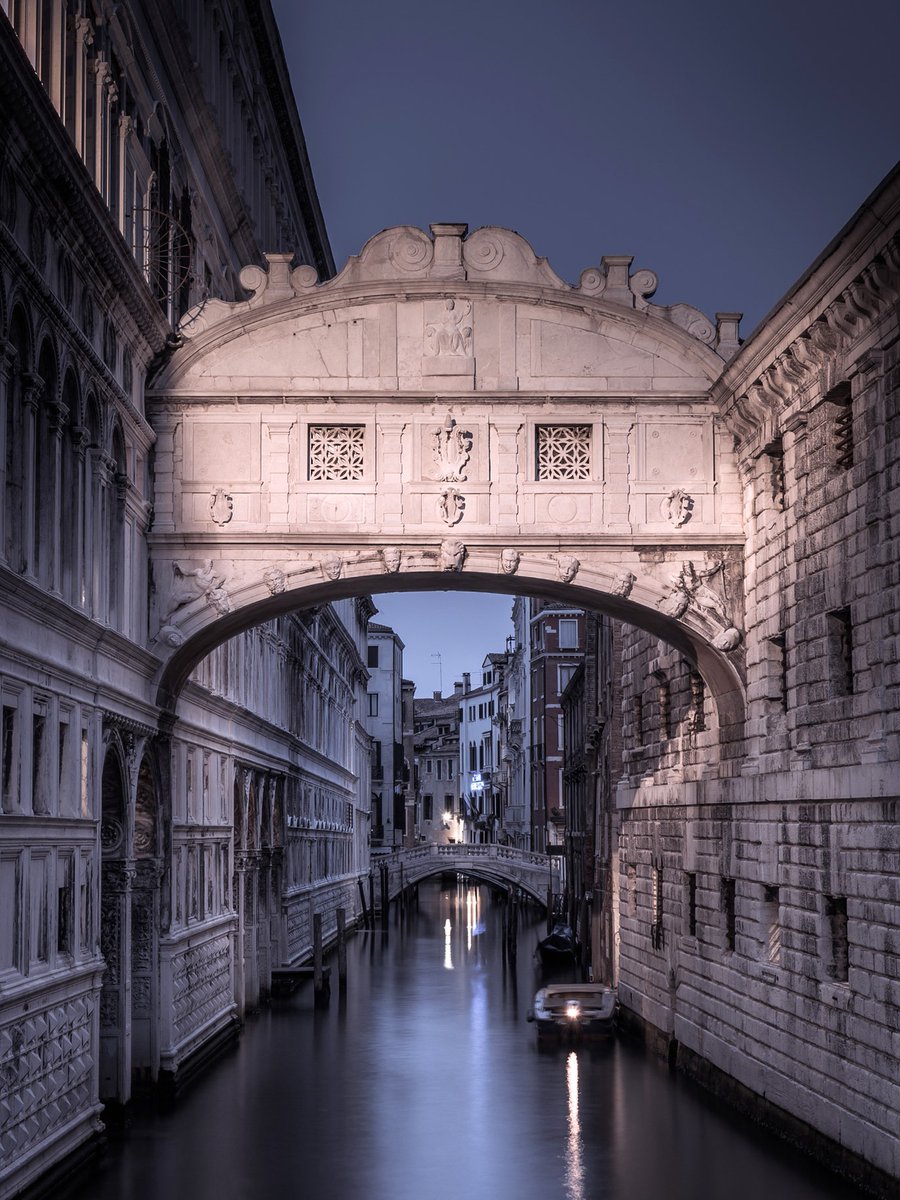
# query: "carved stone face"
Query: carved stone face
391,557
332,565
623,583
509,561
453,553
567,566
274,580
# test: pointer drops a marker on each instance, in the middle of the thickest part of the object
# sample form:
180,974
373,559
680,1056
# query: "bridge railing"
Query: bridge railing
524,867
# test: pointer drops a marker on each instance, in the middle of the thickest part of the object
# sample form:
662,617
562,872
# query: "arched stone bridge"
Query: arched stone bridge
448,413
501,866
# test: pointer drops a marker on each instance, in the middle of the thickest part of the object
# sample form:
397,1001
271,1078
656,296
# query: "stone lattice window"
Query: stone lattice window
563,451
336,451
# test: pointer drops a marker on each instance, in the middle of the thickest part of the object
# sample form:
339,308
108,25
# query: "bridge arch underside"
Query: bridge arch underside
692,635
493,875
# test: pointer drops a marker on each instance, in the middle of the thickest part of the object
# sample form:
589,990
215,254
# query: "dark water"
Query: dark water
425,1083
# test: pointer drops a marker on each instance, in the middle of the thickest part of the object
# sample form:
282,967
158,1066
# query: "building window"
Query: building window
563,451
631,888
839,636
840,411
429,766
664,696
656,906
427,808
697,715
563,675
568,634
373,656
373,704
777,661
836,912
771,925
728,908
637,719
450,768
336,451
692,904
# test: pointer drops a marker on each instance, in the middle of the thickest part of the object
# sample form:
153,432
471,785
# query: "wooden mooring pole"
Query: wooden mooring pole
342,949
385,901
321,986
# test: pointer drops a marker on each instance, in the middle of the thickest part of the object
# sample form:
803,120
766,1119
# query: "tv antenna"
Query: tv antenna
437,655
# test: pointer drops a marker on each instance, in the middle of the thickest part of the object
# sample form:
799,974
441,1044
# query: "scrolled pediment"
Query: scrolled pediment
445,312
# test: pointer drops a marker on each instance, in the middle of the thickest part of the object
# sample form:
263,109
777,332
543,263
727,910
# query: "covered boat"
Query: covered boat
574,1010
558,949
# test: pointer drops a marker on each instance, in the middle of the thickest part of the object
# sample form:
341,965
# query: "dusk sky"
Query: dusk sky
722,145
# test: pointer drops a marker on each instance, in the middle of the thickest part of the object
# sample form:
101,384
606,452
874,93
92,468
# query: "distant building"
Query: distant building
384,721
479,749
437,766
556,648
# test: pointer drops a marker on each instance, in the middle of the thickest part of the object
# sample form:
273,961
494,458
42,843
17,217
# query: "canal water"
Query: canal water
425,1082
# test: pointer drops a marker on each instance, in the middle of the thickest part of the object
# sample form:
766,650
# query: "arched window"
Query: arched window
44,476
116,531
14,546
90,564
72,495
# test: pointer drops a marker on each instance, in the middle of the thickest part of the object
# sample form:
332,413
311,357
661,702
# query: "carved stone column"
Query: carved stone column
7,359
117,880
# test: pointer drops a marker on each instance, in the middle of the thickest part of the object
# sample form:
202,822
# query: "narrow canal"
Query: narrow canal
425,1083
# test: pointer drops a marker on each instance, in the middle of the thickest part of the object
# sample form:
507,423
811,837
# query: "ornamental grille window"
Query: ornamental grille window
563,451
336,451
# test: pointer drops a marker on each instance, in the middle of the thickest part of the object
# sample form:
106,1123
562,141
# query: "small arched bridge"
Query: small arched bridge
501,866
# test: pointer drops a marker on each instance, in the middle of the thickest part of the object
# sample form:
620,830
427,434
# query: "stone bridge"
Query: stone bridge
500,866
448,413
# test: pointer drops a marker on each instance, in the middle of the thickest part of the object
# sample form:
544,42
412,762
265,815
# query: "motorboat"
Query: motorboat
558,949
574,1011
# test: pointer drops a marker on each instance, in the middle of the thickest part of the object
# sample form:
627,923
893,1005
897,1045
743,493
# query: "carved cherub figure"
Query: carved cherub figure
567,565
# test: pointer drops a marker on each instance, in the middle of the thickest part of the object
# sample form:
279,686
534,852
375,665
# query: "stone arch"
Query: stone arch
200,628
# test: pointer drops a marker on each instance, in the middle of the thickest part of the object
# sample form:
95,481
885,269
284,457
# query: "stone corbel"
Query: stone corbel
841,317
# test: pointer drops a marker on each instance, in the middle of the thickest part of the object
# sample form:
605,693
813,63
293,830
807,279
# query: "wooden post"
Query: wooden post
385,902
550,908
342,950
362,900
372,897
320,994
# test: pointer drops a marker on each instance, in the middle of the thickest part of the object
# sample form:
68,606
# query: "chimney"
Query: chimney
458,688
436,696
467,681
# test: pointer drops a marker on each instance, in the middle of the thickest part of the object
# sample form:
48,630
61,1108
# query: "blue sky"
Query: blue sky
722,145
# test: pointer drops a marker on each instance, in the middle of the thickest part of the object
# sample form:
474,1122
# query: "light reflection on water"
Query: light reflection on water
574,1163
425,1082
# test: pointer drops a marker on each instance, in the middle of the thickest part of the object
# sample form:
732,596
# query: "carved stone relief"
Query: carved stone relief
452,451
221,506
391,557
451,332
567,567
275,580
677,507
451,505
623,583
332,565
453,554
509,561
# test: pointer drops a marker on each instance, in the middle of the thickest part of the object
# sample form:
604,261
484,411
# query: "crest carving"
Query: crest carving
452,451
